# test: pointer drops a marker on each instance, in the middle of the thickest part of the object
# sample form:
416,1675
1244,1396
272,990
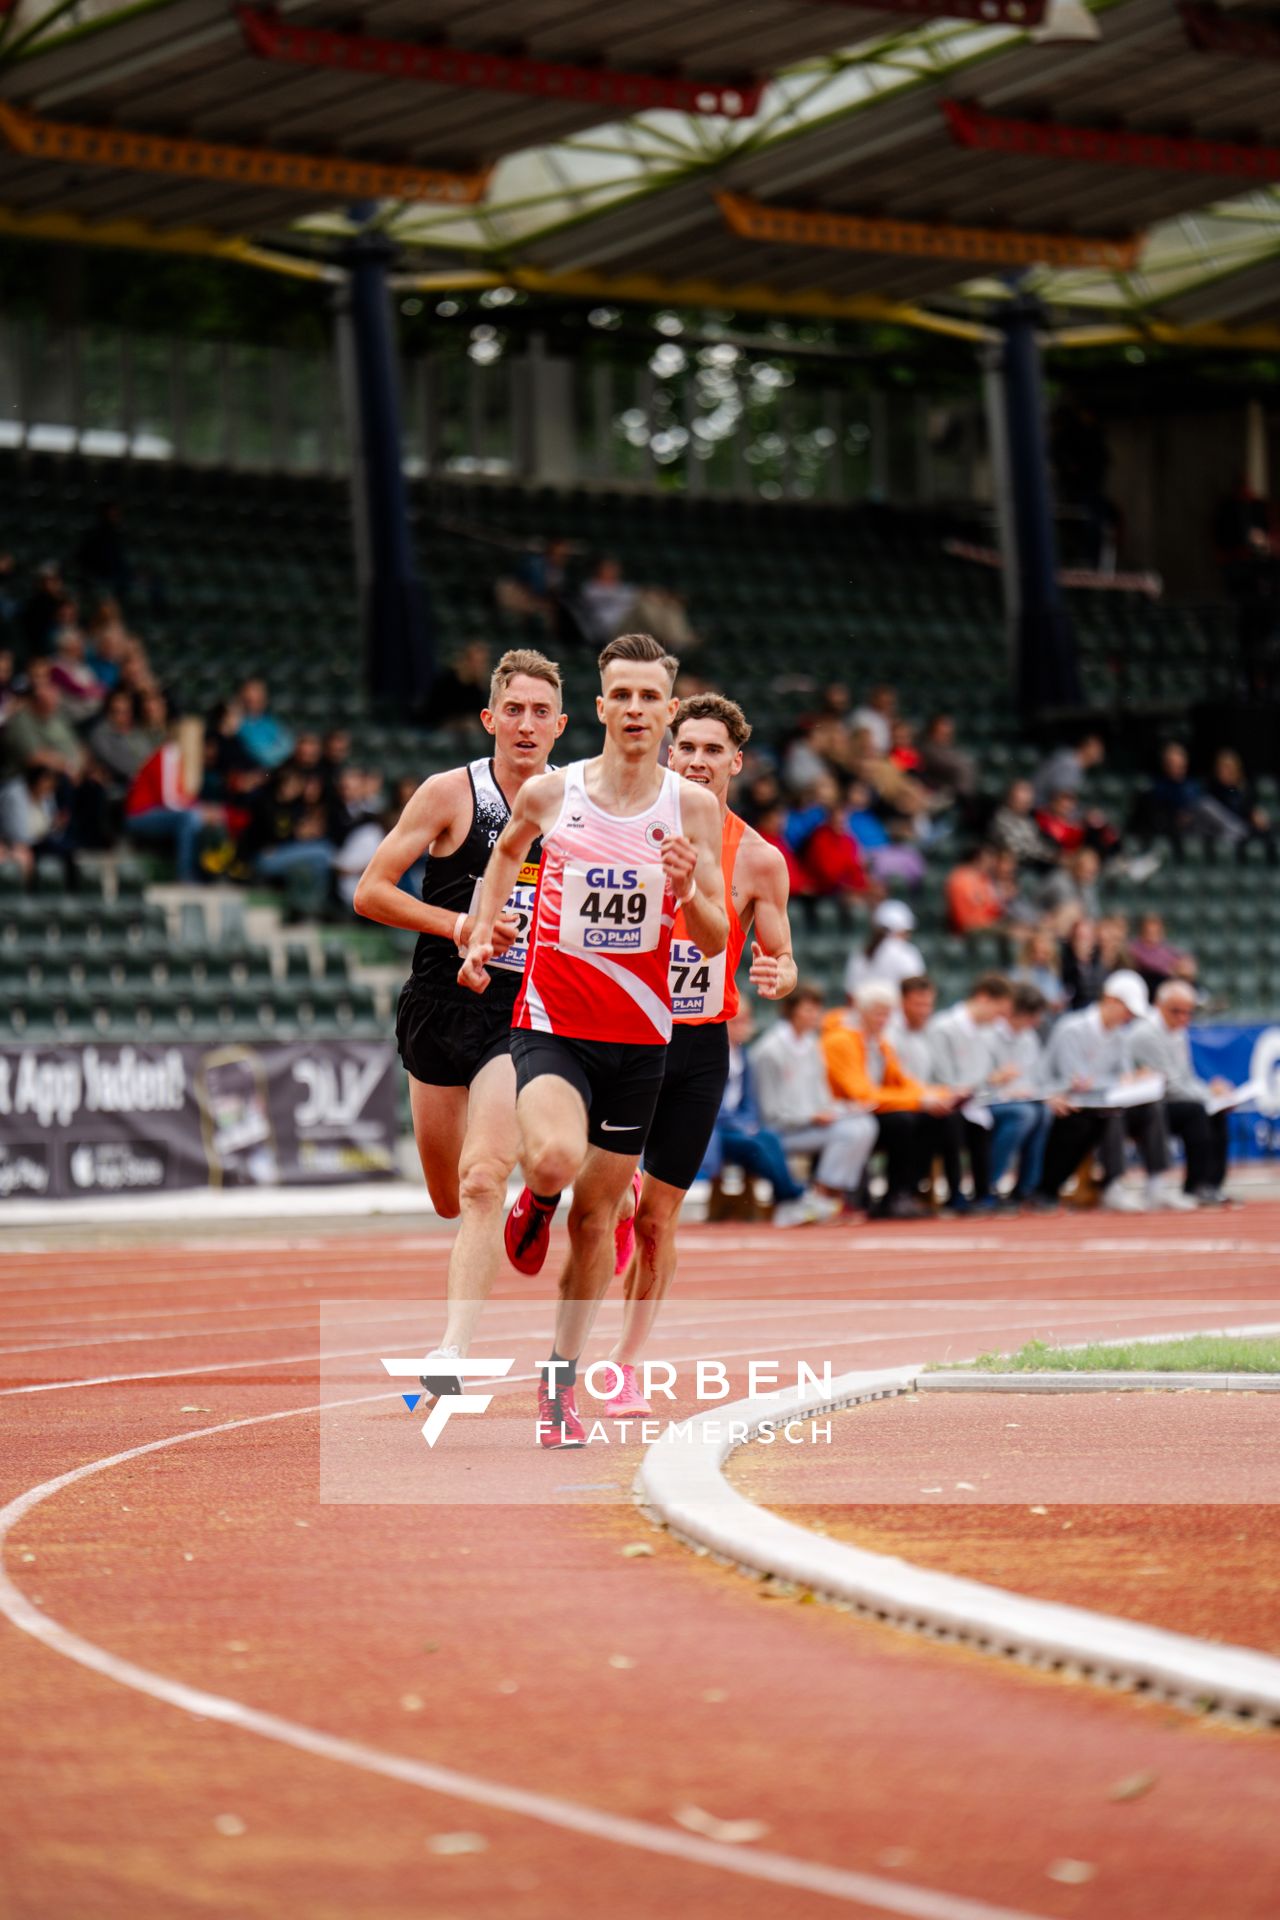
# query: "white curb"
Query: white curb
681,1482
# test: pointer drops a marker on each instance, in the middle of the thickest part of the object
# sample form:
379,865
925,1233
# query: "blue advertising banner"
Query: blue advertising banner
1242,1055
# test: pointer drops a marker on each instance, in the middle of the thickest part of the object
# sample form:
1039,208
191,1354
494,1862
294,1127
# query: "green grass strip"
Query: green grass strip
1197,1353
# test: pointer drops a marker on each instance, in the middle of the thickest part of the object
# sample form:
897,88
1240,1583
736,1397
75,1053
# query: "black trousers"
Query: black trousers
951,1136
903,1139
1204,1141
1075,1134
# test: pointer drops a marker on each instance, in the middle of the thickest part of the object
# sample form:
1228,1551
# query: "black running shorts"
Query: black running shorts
445,1042
619,1083
685,1117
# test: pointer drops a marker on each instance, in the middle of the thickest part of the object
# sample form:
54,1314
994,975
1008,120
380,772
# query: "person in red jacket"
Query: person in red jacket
162,802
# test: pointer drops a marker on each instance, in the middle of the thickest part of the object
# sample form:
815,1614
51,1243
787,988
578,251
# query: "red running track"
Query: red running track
398,1676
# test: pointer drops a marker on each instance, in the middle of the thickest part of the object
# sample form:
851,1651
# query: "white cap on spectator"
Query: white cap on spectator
1130,989
894,916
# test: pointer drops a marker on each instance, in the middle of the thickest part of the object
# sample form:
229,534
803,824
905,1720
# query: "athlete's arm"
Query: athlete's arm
537,804
773,968
437,805
693,857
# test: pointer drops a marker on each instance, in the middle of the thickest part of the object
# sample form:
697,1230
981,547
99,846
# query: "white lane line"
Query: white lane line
1006,1325
779,1869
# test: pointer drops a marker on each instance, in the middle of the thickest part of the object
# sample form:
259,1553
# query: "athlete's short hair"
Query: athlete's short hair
523,660
642,647
714,706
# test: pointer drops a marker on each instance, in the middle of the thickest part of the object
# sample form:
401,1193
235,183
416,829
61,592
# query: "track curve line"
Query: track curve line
836,1883
681,1483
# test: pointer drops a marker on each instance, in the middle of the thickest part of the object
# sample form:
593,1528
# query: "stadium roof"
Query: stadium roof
802,156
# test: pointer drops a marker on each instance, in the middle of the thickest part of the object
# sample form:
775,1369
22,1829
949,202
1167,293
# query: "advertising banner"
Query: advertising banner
96,1117
1245,1056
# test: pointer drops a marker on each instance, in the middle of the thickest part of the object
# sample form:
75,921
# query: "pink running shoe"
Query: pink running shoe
624,1234
527,1233
628,1399
558,1422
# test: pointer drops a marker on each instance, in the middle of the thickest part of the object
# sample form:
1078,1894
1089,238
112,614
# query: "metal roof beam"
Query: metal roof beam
313,174
851,233
972,126
445,66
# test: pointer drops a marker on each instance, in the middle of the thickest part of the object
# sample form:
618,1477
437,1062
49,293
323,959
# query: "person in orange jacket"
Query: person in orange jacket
863,1068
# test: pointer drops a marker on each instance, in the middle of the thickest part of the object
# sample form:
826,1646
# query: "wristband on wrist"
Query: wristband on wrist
685,898
458,925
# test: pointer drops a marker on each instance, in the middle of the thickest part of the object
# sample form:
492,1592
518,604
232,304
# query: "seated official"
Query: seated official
1021,1115
960,1059
797,1102
1090,1052
1162,1044
741,1139
863,1068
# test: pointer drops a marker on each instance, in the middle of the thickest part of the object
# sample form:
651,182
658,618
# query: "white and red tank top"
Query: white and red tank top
600,945
705,992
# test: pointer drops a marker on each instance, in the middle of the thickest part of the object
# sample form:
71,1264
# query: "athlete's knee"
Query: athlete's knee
592,1221
656,1219
549,1166
483,1183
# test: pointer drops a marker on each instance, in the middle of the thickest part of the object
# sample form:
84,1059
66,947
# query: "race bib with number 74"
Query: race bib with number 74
697,984
611,909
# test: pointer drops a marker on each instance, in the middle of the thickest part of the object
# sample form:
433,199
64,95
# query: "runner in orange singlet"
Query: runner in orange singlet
708,735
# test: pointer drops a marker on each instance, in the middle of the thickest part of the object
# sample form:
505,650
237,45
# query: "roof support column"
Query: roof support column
395,609
1042,642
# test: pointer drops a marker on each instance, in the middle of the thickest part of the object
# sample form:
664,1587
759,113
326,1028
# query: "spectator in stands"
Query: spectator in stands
460,691
824,847
903,750
863,1068
1090,1053
364,830
909,1030
797,1103
40,610
1230,812
163,802
1061,824
742,1140
31,821
82,691
944,767
888,956
960,1060
1038,967
975,900
117,744
1162,1044
335,757
1067,769
287,839
1155,957
1013,828
10,598
876,717
1071,891
771,824
106,643
152,707
1082,972
264,738
605,601
39,730
8,674
1171,806
1022,1111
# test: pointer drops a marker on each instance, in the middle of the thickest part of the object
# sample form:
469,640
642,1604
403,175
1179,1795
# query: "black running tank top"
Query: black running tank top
452,881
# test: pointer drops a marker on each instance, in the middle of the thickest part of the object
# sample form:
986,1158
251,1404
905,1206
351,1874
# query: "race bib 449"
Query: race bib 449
611,909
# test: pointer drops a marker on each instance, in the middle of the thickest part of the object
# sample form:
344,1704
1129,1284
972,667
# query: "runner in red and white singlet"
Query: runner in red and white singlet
623,844
600,947
708,735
